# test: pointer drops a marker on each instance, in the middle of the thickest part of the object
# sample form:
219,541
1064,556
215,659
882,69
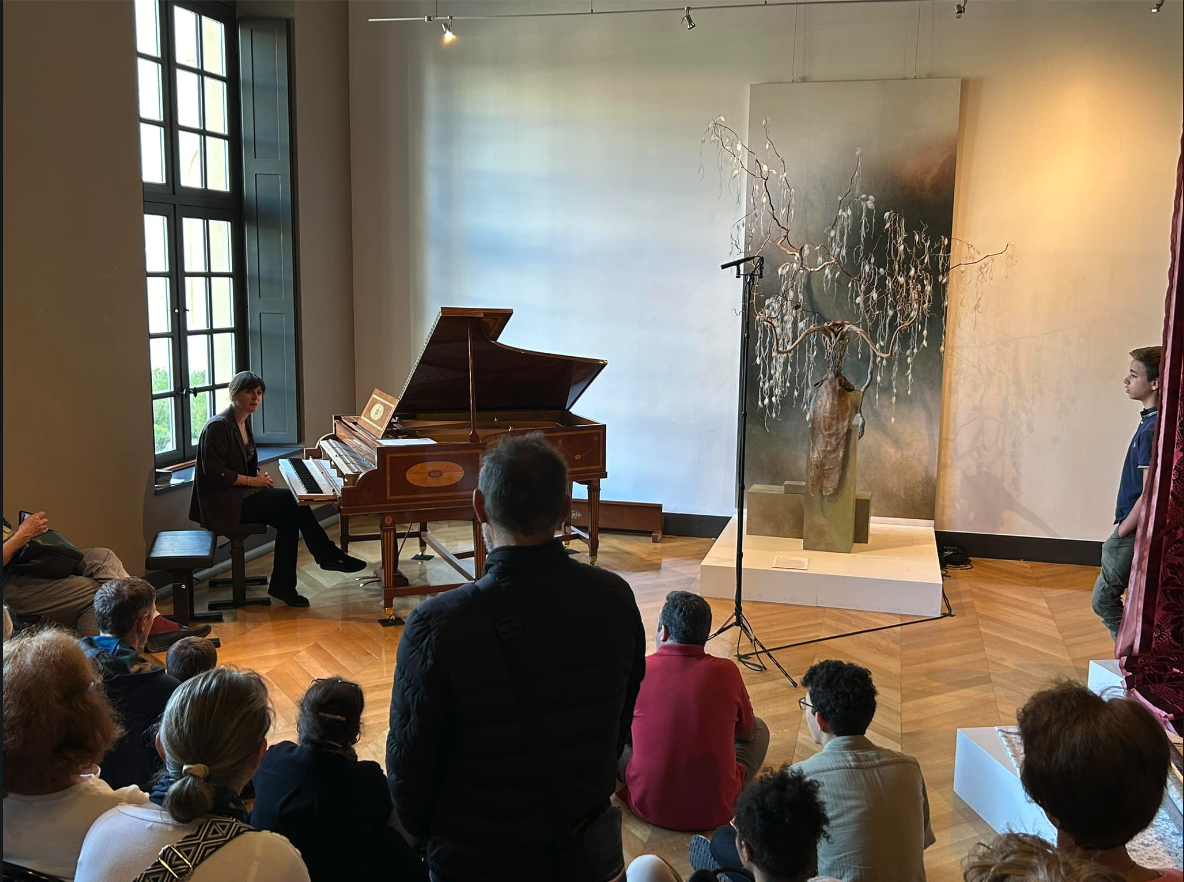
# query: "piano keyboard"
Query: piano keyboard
311,480
348,461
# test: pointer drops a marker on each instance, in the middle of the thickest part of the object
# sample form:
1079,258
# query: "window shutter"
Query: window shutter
268,225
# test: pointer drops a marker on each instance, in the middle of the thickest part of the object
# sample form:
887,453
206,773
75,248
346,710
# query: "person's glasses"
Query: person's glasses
805,705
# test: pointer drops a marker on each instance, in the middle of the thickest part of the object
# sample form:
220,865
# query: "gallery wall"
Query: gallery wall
553,166
77,417
77,422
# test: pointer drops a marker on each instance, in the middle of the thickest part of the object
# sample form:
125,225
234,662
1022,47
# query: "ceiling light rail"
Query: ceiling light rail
650,10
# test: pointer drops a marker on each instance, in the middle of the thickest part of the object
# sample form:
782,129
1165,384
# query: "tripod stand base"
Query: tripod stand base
750,660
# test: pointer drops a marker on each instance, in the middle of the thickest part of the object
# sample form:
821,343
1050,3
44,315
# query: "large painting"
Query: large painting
905,132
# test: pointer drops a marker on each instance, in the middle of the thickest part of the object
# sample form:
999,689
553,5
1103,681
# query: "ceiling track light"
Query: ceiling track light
1158,6
449,36
960,8
690,22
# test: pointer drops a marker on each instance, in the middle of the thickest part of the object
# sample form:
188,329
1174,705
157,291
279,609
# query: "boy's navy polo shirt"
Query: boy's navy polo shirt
1138,458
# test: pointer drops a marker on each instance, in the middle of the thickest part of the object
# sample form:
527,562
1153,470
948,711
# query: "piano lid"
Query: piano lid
506,378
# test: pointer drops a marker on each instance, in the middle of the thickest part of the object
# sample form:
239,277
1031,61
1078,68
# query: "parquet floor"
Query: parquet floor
1016,626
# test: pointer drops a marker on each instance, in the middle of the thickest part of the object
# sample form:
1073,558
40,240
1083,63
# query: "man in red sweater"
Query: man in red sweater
696,742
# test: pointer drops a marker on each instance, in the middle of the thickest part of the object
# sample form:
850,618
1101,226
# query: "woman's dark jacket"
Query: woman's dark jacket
335,810
221,457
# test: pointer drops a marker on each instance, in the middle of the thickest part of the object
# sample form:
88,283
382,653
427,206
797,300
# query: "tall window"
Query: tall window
191,155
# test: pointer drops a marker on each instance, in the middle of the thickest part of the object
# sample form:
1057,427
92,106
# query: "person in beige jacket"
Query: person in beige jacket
875,797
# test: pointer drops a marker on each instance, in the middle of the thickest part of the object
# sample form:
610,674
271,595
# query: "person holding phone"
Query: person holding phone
70,600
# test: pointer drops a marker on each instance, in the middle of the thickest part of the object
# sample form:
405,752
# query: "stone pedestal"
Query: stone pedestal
773,511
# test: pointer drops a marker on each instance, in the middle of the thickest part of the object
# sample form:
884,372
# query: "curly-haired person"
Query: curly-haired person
875,797
779,823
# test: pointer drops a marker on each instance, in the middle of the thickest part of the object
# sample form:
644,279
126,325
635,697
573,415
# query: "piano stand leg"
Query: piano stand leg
423,546
390,620
593,520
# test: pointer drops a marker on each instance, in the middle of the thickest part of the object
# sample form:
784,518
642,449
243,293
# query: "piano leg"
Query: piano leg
567,521
593,520
391,577
344,537
423,546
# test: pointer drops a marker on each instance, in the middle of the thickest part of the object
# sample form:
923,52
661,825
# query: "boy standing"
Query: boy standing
1142,384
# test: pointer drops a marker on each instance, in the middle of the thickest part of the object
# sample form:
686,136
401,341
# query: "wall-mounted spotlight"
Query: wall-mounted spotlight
960,8
690,22
1158,6
449,36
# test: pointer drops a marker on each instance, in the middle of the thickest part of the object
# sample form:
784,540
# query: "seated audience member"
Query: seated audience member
779,823
1098,768
56,728
189,657
7,623
138,689
1020,857
332,806
212,736
69,600
695,739
875,797
513,694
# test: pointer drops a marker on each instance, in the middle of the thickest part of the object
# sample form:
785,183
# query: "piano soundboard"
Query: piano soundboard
311,480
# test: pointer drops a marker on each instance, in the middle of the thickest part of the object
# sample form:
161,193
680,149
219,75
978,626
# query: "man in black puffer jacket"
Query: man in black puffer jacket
513,695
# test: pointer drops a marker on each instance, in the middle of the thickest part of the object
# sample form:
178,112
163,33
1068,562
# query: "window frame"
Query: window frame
177,202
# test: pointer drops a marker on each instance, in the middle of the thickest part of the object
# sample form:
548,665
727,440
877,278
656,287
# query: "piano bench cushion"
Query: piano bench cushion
245,530
182,550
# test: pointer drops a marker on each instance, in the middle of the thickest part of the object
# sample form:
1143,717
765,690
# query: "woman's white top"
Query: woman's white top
125,842
45,832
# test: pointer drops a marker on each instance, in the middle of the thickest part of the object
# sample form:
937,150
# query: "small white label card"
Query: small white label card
781,562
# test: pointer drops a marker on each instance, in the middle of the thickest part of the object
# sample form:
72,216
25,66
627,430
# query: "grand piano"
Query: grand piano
414,460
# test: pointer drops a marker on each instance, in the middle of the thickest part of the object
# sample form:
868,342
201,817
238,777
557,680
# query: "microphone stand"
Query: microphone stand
737,619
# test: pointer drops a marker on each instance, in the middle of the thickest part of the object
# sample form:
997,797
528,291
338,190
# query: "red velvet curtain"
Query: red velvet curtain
1149,642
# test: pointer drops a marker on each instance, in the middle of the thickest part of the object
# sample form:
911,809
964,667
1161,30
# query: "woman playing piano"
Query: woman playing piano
229,490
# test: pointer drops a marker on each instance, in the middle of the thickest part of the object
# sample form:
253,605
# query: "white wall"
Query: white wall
552,165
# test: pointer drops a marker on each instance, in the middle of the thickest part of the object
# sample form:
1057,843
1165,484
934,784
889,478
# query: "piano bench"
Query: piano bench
239,580
180,553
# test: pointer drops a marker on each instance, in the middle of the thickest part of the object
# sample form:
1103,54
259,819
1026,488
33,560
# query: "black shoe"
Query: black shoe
292,598
344,564
162,641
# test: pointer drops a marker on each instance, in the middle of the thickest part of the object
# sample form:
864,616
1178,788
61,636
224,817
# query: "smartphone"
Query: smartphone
23,515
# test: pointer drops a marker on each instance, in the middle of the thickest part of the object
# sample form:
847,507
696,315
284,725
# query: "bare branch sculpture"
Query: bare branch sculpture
892,278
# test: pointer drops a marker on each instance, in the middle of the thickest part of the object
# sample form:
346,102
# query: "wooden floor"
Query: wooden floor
1017,626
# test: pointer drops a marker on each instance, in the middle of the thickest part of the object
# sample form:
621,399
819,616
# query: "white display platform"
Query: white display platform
1104,675
897,571
986,779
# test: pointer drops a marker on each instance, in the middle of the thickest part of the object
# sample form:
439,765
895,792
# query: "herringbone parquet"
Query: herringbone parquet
1017,626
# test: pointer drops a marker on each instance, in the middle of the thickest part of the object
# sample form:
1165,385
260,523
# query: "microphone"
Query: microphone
738,261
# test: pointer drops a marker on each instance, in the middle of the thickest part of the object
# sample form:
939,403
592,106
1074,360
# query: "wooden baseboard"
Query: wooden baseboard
634,517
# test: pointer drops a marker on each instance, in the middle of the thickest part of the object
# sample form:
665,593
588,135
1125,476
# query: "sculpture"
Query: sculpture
887,275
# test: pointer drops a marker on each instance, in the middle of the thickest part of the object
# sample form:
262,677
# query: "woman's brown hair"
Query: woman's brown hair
1097,766
57,720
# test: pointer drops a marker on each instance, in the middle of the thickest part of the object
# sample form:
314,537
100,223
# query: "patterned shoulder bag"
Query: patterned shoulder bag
177,862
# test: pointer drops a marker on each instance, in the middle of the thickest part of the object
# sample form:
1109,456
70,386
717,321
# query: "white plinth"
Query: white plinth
987,781
897,571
